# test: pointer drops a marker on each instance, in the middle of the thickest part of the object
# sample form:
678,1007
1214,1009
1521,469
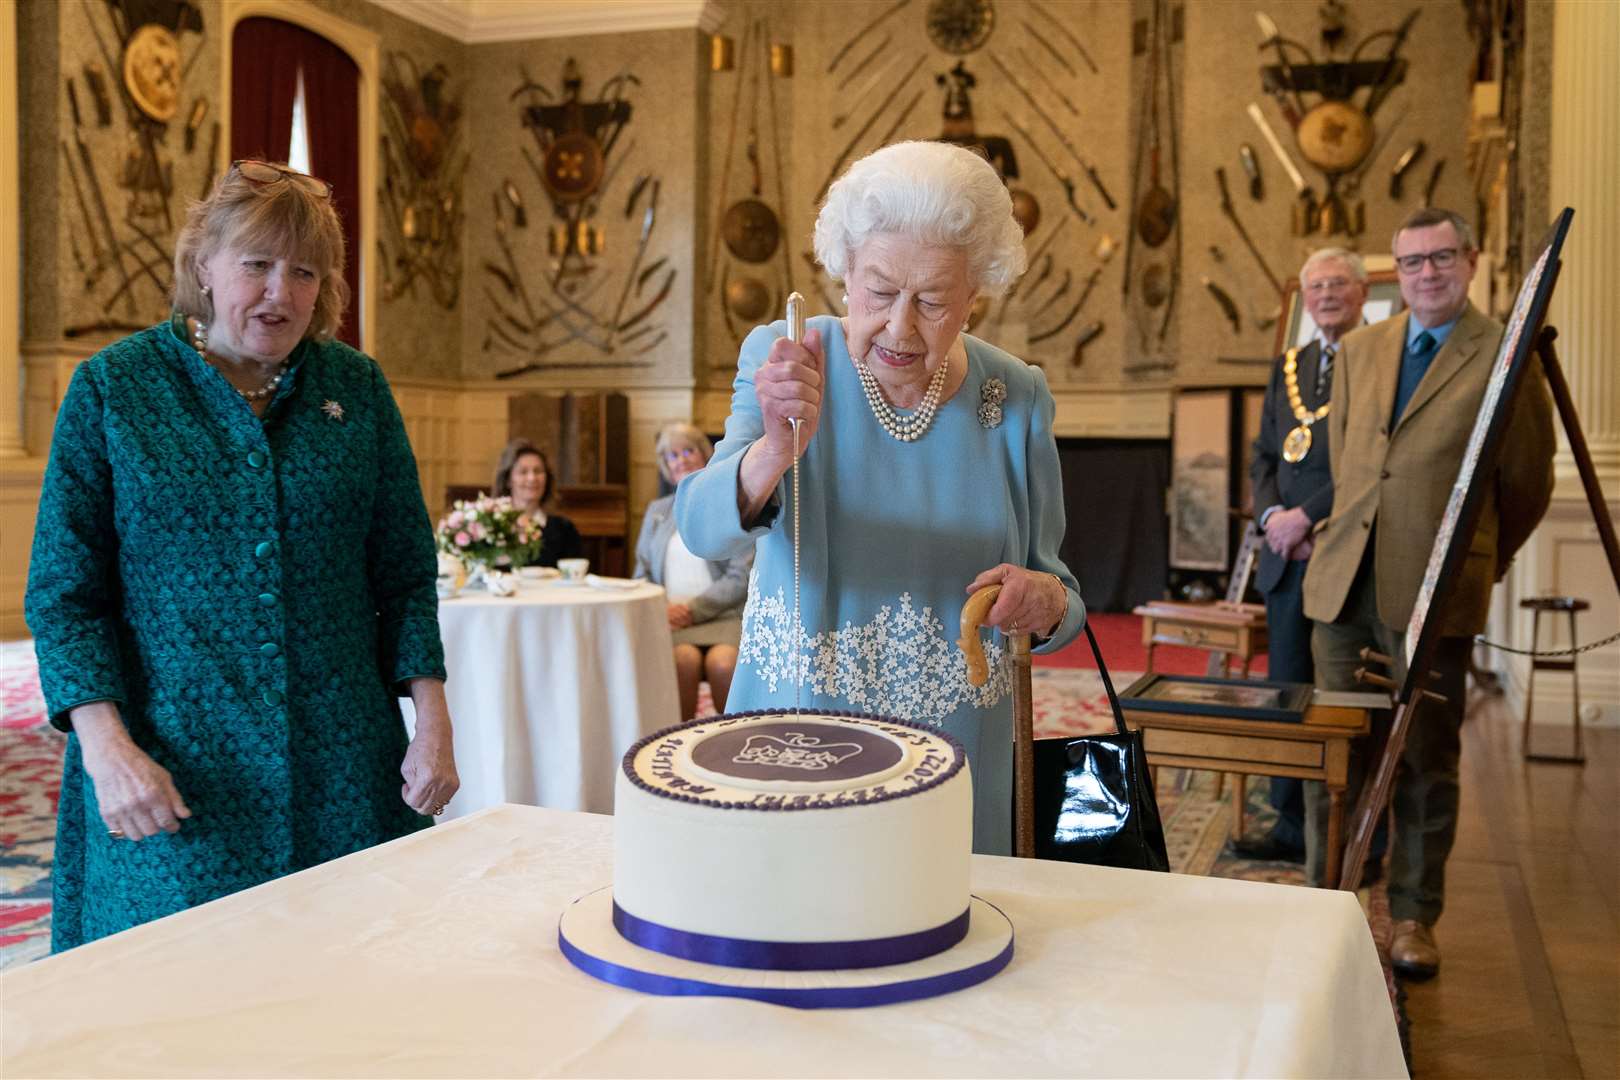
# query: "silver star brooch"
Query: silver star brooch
333,410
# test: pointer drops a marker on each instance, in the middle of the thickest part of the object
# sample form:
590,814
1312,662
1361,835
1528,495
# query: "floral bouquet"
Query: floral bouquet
489,532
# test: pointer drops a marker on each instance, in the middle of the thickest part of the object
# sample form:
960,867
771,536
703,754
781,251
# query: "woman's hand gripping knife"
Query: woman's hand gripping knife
788,387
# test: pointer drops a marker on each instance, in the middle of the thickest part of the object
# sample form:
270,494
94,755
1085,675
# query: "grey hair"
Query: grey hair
933,192
681,434
1358,269
1430,216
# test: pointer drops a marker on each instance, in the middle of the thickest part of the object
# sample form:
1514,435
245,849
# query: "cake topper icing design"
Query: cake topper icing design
772,761
797,751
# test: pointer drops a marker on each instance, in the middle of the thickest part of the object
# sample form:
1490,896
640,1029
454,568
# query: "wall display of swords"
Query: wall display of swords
1094,139
750,256
1029,59
1041,58
1152,281
1332,123
423,167
122,218
548,286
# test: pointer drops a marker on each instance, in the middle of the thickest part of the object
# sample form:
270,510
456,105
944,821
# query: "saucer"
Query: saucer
611,583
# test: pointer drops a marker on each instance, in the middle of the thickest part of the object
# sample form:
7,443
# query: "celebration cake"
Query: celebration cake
808,859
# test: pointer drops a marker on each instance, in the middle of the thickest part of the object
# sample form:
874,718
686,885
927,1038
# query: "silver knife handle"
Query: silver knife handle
795,318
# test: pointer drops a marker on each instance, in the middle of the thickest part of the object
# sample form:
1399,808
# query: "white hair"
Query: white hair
1358,269
932,192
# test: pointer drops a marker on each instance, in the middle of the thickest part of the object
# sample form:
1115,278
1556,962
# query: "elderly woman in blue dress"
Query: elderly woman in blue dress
705,597
928,470
233,581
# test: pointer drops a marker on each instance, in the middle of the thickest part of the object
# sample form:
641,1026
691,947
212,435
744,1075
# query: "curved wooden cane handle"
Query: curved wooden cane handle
972,646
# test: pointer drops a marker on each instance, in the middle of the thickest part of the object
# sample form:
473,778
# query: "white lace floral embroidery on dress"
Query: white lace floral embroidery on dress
899,664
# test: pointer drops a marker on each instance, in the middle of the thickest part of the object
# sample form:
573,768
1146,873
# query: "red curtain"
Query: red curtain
266,56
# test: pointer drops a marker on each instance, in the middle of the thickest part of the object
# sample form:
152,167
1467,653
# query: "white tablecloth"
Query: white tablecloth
436,955
549,688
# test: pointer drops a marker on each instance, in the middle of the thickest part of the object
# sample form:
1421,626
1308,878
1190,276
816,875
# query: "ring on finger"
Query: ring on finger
115,834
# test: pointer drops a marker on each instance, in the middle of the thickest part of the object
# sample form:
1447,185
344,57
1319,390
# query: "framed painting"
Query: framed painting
1296,328
1252,407
1200,479
1468,493
1244,699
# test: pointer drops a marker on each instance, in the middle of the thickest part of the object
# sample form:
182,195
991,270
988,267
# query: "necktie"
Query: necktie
1324,373
1413,364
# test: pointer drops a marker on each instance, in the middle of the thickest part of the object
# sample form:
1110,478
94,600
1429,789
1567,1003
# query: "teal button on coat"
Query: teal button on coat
253,594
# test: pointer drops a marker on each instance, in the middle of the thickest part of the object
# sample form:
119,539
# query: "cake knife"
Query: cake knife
795,333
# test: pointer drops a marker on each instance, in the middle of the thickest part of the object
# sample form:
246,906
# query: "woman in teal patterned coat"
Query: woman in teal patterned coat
232,582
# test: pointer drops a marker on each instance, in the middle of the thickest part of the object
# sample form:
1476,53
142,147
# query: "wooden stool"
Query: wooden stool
1540,604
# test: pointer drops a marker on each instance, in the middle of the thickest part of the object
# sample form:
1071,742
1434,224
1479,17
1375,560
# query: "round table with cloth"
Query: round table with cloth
549,688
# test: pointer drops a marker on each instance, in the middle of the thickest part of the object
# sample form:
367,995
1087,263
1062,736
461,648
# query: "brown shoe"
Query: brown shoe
1413,953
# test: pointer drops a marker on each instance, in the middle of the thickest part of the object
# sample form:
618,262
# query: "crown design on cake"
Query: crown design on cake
796,751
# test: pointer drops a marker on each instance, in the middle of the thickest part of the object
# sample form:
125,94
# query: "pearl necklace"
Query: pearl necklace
199,341
904,428
268,388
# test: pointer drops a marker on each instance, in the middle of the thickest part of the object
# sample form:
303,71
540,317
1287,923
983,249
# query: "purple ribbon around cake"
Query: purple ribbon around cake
812,997
789,955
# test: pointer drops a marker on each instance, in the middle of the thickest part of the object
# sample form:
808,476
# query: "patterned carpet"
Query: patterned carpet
30,775
1068,701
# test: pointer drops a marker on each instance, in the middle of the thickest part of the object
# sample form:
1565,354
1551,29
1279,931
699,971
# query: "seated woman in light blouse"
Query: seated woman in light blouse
705,597
524,474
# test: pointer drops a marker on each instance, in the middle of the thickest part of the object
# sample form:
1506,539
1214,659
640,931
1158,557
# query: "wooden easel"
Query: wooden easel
1374,801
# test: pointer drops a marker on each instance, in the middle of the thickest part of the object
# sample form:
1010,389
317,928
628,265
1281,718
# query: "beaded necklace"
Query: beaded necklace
904,428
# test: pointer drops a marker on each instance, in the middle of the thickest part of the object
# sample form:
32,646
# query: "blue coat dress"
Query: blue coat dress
893,534
253,594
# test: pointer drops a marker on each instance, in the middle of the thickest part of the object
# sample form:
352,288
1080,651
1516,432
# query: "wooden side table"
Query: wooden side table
1316,749
1226,630
1232,631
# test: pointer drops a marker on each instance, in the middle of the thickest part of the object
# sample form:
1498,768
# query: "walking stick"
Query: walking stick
978,670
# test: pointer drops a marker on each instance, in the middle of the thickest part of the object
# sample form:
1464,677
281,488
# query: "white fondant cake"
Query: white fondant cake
794,828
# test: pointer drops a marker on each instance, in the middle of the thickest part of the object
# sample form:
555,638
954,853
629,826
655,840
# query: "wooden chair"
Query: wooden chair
1227,629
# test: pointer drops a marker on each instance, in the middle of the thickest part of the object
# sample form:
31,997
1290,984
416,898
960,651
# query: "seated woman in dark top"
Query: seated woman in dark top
524,474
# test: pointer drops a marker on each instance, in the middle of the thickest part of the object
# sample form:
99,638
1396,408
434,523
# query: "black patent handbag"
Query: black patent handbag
1093,796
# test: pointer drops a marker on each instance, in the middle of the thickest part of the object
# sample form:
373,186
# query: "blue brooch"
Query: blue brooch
991,395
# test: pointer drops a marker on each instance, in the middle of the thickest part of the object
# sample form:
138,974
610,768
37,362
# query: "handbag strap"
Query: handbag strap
1108,684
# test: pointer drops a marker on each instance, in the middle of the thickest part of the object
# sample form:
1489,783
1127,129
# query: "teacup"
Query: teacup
574,569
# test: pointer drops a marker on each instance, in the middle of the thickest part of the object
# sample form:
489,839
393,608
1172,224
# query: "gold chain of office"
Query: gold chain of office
1297,443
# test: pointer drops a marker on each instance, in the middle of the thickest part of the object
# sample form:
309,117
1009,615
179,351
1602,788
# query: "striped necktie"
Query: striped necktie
1324,371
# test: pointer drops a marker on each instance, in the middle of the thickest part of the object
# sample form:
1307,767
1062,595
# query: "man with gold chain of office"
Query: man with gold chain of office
1293,490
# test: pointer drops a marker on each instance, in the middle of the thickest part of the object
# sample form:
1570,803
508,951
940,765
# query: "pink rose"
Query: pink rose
455,520
462,539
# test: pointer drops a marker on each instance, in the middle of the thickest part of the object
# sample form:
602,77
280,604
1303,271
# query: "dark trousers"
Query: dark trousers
1288,659
1424,799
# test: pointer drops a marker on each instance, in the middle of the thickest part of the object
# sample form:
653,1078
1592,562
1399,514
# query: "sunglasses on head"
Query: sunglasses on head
264,172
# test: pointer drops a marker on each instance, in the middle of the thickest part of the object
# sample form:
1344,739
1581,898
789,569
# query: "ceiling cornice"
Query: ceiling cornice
477,22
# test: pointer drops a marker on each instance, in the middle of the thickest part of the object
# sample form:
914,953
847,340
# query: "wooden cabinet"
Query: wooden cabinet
586,437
